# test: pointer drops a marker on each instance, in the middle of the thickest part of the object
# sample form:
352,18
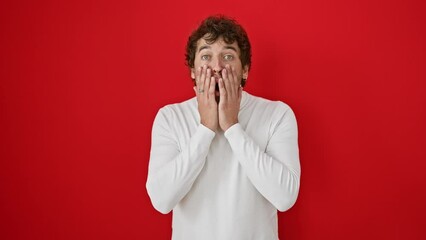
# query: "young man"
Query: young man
224,161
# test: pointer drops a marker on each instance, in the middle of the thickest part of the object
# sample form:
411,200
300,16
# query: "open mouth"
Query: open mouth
216,92
216,87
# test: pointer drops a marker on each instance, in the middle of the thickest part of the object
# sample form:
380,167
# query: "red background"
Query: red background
81,82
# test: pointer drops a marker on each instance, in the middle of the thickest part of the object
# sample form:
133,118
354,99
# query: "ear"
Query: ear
245,71
192,73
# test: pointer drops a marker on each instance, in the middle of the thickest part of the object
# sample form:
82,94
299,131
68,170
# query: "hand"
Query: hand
230,98
205,91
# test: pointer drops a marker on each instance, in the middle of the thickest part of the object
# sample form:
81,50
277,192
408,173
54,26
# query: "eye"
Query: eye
228,57
205,57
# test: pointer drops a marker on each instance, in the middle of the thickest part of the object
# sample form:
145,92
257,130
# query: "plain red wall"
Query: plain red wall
81,82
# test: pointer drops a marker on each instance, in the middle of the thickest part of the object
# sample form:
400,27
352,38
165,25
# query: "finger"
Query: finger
202,79
197,77
237,82
225,81
207,83
222,90
212,87
231,78
233,85
208,76
197,81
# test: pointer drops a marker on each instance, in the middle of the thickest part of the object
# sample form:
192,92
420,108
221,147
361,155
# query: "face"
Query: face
216,56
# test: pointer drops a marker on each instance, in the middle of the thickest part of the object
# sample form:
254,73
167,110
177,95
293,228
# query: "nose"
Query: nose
216,65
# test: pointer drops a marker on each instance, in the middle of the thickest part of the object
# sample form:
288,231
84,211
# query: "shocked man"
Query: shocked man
224,161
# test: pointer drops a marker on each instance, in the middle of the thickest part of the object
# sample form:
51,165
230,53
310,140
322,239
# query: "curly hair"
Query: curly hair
217,26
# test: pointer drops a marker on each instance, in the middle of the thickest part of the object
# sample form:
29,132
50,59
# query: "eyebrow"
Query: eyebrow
231,47
225,47
204,47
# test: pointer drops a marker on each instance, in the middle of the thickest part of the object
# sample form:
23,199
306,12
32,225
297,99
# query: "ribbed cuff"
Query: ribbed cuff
204,133
235,131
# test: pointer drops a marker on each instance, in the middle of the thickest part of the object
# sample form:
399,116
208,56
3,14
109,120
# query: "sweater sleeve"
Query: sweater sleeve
173,169
275,172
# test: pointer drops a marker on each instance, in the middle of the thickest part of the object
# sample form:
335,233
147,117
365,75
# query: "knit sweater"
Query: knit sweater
225,185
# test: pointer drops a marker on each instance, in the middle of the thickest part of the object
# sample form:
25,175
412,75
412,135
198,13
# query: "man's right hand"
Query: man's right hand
205,91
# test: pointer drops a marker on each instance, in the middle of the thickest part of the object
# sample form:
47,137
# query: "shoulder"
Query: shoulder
265,116
178,114
267,106
182,107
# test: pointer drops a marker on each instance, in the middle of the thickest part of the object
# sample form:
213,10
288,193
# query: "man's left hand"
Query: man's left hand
230,98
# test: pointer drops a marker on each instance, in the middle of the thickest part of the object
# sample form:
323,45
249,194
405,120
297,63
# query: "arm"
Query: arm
275,172
173,170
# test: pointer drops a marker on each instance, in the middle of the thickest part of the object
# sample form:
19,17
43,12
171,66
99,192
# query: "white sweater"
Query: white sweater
228,185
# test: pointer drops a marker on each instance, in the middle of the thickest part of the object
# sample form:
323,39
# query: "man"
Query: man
224,161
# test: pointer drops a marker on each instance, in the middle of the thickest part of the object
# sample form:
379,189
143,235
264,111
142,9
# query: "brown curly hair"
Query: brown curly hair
217,26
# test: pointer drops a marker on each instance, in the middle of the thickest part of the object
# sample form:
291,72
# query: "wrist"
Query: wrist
227,126
210,126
